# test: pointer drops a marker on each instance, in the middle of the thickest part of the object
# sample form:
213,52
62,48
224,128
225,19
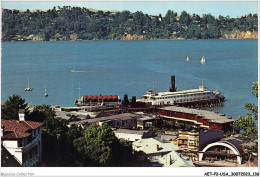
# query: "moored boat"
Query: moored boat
180,97
45,94
28,87
203,60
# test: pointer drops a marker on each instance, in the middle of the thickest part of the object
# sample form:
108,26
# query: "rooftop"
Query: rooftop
149,146
123,116
209,115
146,118
169,157
127,131
18,129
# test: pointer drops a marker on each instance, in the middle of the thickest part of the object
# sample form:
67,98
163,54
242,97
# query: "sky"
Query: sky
215,8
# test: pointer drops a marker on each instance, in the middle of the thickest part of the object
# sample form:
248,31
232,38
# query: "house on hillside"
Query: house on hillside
22,140
153,152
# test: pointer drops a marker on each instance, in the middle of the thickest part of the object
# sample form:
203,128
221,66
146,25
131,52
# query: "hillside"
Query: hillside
75,23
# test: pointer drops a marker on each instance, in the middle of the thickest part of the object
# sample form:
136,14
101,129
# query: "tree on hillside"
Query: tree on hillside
247,124
185,18
41,113
100,147
11,107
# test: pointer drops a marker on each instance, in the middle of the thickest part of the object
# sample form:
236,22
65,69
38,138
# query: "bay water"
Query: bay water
129,67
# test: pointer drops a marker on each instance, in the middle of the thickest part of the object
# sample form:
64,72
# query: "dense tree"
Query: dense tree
185,18
40,113
10,108
100,147
57,143
247,124
59,23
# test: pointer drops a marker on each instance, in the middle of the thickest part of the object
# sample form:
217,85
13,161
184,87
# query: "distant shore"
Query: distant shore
129,40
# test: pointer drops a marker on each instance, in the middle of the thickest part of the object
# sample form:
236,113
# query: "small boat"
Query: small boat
187,59
72,70
203,60
28,88
45,94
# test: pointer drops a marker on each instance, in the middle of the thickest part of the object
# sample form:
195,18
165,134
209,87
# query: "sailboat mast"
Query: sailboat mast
79,91
28,82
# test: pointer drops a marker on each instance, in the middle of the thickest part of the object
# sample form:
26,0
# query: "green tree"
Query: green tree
40,113
247,124
10,108
101,147
59,23
185,18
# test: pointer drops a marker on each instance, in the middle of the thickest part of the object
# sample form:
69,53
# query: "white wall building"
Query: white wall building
22,139
132,135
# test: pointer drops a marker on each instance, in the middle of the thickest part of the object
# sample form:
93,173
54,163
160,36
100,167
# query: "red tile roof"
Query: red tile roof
15,135
100,97
18,129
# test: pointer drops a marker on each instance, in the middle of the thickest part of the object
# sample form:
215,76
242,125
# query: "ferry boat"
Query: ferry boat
179,97
171,98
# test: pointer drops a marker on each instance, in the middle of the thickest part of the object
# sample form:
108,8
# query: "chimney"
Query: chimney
21,115
157,147
172,89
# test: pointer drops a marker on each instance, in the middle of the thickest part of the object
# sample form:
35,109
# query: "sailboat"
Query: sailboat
45,94
187,59
28,88
203,60
73,70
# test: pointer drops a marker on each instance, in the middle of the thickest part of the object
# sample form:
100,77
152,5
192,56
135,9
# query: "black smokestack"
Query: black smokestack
173,89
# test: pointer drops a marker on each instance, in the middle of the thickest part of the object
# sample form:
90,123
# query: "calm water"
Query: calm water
132,67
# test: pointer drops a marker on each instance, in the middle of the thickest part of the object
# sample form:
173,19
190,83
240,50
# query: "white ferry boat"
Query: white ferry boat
177,97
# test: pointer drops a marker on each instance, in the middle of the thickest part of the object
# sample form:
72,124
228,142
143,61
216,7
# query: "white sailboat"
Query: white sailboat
187,59
203,60
28,88
45,94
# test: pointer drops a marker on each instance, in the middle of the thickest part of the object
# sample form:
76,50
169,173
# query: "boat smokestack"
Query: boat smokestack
172,89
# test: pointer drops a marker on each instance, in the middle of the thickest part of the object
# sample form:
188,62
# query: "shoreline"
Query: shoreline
136,40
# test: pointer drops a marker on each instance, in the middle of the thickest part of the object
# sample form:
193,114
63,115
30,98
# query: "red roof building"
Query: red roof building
14,129
22,139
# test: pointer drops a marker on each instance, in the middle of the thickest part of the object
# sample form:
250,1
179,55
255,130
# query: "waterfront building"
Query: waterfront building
202,118
102,100
22,139
194,141
170,138
224,153
132,135
145,122
152,152
124,120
